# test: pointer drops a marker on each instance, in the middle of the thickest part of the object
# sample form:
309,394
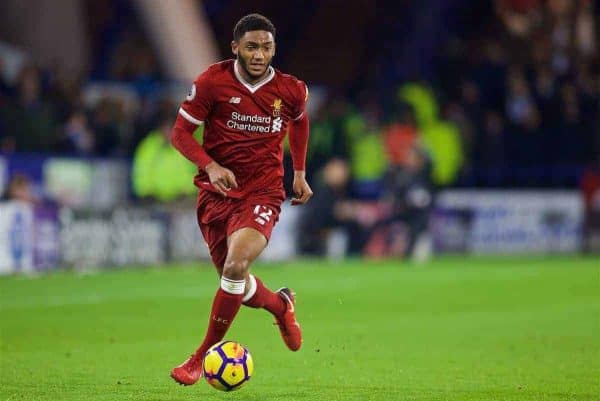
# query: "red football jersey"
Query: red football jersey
245,124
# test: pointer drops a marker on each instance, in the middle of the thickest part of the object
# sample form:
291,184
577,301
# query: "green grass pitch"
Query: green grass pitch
454,329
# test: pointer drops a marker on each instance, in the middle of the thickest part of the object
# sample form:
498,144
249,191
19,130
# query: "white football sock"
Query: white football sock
251,289
230,286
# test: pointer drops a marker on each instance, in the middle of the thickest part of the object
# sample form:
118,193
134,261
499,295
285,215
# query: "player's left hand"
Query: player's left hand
301,189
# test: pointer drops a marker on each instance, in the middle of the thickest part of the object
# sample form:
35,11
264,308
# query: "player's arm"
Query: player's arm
298,138
182,138
191,114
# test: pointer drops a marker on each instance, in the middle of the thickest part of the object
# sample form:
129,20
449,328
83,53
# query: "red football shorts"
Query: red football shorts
219,217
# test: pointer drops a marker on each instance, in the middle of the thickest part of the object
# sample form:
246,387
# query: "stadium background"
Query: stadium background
500,98
458,136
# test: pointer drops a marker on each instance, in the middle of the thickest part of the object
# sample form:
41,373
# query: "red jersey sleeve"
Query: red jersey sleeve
298,134
198,102
301,99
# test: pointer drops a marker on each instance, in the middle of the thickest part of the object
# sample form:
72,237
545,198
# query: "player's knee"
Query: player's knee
236,268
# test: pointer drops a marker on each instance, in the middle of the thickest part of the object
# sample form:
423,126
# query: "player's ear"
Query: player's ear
234,47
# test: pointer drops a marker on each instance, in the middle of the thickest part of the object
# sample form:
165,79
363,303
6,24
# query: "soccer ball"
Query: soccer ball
227,366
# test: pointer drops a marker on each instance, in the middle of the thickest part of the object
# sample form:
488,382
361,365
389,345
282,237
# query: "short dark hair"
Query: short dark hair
252,22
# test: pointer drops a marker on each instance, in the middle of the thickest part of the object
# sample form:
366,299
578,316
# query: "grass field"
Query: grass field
455,329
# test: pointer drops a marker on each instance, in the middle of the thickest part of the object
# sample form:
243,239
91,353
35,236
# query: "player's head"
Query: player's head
254,44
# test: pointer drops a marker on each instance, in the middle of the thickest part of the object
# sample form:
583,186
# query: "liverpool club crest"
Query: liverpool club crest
276,108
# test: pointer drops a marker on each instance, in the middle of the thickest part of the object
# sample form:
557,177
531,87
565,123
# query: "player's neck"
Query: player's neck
247,78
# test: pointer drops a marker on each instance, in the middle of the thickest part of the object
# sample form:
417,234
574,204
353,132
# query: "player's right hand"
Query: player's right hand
221,178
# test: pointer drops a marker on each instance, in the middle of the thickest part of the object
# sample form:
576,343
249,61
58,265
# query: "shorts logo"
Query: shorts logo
277,122
235,100
264,214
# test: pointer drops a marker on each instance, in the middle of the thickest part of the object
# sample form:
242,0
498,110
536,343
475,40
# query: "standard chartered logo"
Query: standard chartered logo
254,123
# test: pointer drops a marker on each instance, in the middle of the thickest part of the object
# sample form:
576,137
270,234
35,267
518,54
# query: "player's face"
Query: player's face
254,52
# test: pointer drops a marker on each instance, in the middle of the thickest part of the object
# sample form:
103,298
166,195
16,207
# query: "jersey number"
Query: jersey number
263,214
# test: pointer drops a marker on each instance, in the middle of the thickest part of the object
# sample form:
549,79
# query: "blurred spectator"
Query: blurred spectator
78,139
27,117
471,106
64,91
133,61
560,24
573,131
408,197
159,172
585,29
106,118
328,224
363,133
400,136
19,189
520,107
466,127
520,17
491,150
545,87
328,136
8,144
440,138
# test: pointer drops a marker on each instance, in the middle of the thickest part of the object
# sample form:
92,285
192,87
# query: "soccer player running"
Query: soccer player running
246,107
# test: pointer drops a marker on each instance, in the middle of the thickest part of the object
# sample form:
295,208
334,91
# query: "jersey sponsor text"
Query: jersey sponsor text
250,123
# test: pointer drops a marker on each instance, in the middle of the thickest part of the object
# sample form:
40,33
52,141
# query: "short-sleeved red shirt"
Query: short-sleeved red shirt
244,124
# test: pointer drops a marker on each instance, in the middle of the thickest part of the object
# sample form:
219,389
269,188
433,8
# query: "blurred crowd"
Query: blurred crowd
522,92
528,93
515,104
44,111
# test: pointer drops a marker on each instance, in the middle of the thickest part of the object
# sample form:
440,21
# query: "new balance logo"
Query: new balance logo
235,100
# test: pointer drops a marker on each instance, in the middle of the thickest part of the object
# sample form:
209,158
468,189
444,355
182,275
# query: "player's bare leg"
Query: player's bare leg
244,246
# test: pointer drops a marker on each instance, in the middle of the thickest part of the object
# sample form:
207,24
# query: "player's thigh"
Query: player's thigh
246,243
248,232
214,230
